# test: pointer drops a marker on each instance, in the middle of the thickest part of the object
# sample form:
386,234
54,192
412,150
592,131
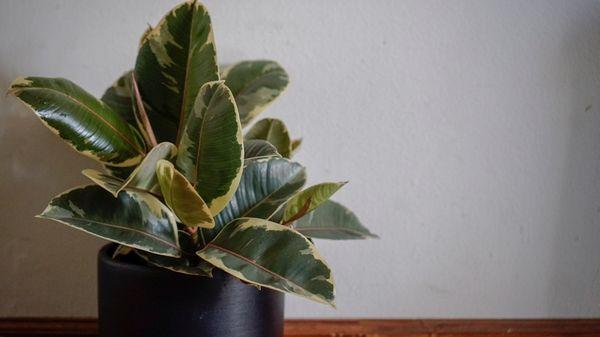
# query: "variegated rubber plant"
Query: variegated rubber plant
183,187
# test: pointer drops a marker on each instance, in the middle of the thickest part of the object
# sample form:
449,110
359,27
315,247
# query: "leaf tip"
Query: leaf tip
16,84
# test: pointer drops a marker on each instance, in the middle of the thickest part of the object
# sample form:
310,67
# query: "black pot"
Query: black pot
137,300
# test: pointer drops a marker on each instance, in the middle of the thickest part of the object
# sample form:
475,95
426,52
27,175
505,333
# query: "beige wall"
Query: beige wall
470,132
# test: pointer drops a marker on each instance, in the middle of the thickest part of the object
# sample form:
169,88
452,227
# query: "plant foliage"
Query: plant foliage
184,188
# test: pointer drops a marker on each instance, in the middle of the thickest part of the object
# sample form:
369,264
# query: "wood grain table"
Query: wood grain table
82,327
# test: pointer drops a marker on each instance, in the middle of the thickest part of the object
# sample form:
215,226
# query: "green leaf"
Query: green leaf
182,198
118,97
174,60
273,131
142,178
271,255
134,218
211,151
119,172
309,199
189,264
332,221
141,117
84,122
108,182
257,148
255,84
265,185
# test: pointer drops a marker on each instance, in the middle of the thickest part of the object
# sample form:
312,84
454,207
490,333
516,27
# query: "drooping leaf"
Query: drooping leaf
134,218
309,199
189,263
211,151
258,148
118,97
332,221
174,60
273,256
142,178
255,84
273,131
182,198
265,185
83,121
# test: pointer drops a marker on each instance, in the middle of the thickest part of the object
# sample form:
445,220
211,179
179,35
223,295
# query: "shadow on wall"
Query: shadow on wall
36,165
576,238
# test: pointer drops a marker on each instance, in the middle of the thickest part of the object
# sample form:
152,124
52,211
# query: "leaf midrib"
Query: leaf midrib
245,214
78,102
122,228
254,263
185,78
200,136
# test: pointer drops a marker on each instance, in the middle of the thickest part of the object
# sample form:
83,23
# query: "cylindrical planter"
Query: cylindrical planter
137,300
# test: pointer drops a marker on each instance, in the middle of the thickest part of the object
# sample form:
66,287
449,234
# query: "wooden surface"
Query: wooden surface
37,327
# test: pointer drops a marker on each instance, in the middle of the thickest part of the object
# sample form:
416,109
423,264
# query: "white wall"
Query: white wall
470,132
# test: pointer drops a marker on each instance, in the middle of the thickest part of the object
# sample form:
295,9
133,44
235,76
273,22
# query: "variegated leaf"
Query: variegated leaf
332,221
135,219
258,148
108,182
275,132
174,60
142,178
189,263
273,256
119,172
309,199
265,185
182,198
118,97
211,151
83,121
141,116
255,84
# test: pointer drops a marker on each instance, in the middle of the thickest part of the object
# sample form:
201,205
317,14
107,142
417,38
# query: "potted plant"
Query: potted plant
210,225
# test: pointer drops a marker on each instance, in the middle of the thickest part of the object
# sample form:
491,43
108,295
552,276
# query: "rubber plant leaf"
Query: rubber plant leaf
309,199
118,97
141,116
265,185
182,198
135,219
275,132
211,150
174,60
270,255
258,148
143,176
119,172
83,121
332,221
189,264
255,84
